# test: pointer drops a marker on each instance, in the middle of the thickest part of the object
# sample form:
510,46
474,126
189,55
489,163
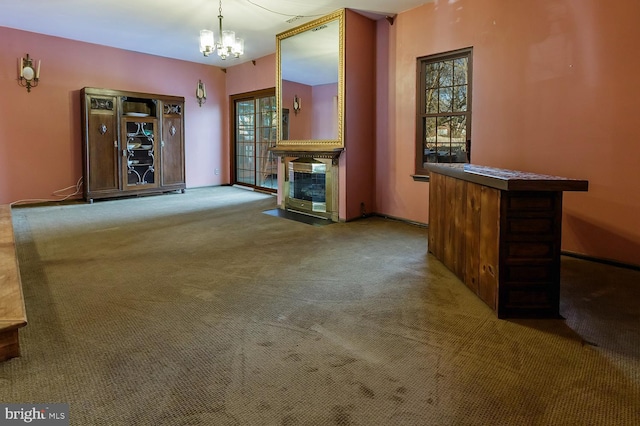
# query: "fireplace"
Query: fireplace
309,186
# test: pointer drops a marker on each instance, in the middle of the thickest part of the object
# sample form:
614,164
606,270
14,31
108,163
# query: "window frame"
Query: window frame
421,64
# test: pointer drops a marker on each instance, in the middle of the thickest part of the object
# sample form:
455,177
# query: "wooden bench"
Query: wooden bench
13,314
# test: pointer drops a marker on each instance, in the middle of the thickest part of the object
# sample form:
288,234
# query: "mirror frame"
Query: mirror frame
315,143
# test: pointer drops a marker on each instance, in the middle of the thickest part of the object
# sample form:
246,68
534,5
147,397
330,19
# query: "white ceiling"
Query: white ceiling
171,28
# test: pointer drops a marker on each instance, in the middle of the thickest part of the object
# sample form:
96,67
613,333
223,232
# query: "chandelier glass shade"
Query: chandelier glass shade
206,42
228,44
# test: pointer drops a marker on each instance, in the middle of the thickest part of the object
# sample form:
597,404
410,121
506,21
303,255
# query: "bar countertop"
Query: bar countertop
508,180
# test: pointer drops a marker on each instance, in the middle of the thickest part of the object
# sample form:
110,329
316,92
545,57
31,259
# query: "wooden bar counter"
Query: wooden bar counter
499,231
13,314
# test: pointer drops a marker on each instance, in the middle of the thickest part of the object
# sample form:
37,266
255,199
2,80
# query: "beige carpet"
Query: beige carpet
198,309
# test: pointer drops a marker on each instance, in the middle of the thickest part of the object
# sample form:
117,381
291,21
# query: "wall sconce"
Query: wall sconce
201,93
297,104
28,77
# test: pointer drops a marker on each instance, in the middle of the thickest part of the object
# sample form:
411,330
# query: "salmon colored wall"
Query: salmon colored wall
554,92
325,111
242,78
250,77
357,162
397,195
318,107
40,132
300,124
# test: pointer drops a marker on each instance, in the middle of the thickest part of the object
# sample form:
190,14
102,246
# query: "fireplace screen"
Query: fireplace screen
308,184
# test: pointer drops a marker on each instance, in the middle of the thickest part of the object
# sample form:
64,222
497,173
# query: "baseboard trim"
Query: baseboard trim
399,219
609,262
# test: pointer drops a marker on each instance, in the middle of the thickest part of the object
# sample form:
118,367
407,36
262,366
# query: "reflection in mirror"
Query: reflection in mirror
310,71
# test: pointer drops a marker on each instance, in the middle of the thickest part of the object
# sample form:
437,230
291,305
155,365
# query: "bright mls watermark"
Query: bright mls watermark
37,414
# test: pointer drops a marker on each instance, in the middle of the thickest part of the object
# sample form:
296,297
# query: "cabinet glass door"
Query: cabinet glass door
172,145
139,158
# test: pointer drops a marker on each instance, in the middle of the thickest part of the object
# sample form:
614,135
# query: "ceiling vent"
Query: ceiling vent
294,19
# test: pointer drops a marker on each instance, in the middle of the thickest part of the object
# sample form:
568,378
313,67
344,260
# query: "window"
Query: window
443,122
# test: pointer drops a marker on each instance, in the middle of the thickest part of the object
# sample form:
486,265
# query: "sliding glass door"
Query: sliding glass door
255,132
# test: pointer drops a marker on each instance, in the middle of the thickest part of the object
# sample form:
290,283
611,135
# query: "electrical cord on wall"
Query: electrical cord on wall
283,14
56,193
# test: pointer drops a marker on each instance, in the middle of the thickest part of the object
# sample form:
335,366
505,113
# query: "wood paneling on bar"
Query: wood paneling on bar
499,231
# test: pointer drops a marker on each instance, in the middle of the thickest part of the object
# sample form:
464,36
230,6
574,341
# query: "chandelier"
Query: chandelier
227,45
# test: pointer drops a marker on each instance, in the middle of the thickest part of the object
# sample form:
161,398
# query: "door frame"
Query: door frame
232,126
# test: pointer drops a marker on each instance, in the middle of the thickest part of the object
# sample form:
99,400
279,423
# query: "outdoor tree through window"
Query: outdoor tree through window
444,109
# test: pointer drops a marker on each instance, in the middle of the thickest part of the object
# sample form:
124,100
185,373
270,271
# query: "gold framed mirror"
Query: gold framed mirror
310,84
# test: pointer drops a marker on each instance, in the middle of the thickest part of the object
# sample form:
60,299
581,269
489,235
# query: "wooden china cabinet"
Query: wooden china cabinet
133,143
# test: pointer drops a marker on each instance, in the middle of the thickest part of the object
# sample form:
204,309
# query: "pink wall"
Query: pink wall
325,111
317,116
397,195
300,124
242,78
40,132
358,162
248,77
554,92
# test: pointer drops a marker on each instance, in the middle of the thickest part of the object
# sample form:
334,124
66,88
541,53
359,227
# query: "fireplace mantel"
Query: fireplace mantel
308,151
